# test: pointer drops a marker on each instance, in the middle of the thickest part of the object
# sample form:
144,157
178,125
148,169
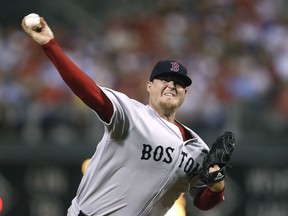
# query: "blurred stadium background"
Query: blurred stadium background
236,52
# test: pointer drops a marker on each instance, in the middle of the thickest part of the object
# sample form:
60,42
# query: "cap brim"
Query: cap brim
186,79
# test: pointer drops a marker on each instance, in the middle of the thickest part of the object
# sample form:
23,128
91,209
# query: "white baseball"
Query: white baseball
32,20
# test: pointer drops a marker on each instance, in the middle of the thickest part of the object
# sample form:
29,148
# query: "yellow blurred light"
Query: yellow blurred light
84,165
178,209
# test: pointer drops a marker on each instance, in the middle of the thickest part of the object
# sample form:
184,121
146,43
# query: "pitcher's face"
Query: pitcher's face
166,93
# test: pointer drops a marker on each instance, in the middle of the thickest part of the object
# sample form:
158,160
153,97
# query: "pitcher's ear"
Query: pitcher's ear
148,85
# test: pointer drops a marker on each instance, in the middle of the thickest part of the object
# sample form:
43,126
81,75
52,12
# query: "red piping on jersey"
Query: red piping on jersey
185,134
205,199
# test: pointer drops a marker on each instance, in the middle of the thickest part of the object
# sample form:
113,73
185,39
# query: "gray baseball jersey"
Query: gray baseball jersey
140,166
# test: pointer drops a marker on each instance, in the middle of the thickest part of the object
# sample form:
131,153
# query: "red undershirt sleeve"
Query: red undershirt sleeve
80,83
207,199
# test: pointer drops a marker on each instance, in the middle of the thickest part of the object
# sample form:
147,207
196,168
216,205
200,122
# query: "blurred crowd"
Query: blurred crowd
236,52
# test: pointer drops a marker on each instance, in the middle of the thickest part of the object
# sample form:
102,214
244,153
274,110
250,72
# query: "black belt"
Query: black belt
81,214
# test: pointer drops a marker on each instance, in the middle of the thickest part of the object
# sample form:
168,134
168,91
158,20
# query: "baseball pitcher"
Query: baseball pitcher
146,158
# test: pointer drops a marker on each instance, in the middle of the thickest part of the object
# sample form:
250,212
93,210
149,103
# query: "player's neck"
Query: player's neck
168,115
169,118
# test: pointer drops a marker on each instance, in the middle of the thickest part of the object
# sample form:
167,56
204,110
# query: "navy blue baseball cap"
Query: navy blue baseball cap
170,68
